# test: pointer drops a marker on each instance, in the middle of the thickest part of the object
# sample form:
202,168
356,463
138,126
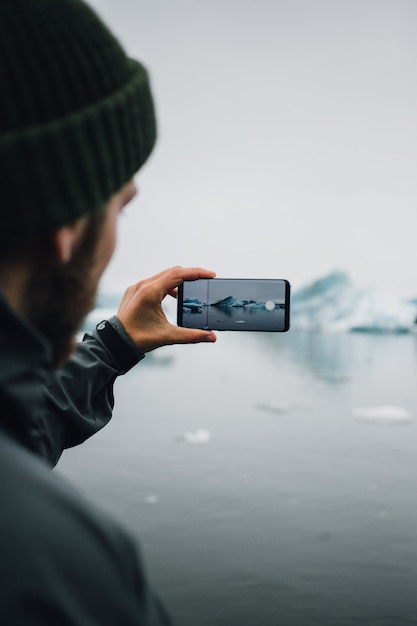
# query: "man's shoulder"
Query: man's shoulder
30,486
59,554
40,505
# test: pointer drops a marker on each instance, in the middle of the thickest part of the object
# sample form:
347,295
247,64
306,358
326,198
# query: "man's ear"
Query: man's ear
65,240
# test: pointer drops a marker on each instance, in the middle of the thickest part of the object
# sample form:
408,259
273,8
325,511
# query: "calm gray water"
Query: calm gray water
290,511
234,318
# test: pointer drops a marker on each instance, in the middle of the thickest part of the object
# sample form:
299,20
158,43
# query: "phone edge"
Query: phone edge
287,325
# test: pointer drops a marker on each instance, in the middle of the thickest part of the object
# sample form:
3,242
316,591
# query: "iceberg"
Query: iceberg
276,406
224,302
198,437
385,414
192,305
230,301
334,303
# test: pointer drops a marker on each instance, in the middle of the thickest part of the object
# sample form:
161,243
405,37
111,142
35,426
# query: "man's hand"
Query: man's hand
142,315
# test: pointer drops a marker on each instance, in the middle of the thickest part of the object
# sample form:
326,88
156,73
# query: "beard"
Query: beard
58,297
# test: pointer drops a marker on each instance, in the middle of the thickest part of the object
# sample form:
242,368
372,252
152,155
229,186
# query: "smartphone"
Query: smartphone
234,304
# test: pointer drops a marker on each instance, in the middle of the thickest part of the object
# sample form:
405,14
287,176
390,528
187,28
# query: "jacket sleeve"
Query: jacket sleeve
79,397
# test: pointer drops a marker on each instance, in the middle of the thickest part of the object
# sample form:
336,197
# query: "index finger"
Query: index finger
170,279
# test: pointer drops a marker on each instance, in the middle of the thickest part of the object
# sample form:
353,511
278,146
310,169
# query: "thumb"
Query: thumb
192,335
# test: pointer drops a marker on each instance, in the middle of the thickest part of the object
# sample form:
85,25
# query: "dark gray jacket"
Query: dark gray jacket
61,561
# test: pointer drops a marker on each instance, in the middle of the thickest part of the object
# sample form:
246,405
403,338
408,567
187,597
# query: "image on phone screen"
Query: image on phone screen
235,304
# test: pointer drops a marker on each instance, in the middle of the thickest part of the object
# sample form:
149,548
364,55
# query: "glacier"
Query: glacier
330,303
333,303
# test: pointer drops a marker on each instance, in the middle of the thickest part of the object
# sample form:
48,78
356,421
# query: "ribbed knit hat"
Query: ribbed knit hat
76,114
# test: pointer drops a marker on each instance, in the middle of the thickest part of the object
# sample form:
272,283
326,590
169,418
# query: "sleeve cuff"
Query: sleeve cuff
118,343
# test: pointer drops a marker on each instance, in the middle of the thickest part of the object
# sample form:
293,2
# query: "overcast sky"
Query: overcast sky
211,291
287,139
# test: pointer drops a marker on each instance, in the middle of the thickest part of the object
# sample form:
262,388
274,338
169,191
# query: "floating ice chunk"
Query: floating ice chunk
385,414
200,436
151,499
275,406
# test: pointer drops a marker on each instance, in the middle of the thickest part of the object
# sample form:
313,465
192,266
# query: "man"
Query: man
76,124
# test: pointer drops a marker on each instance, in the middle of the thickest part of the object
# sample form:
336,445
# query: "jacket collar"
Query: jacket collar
25,366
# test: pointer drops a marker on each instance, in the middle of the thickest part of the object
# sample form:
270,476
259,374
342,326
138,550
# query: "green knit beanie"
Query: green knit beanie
76,114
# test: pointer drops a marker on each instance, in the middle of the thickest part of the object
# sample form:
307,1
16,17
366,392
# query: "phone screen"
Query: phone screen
235,304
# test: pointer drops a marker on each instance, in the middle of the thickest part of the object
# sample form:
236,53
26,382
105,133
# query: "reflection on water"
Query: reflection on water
335,357
235,318
329,357
292,511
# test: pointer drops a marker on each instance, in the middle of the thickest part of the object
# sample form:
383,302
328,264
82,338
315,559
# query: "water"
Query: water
236,318
289,510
